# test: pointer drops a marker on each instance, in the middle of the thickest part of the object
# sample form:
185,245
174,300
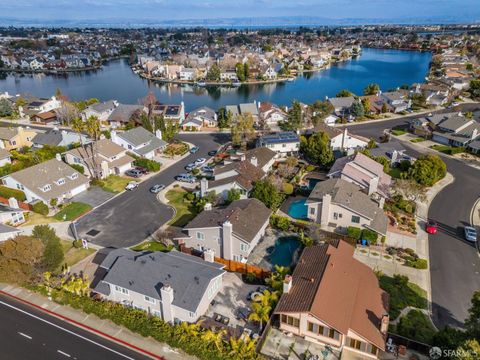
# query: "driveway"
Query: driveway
94,196
454,263
133,216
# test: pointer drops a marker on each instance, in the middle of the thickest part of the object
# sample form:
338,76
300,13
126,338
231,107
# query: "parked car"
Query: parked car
190,166
470,233
431,227
200,161
134,173
212,153
207,168
194,149
142,170
185,178
132,185
155,189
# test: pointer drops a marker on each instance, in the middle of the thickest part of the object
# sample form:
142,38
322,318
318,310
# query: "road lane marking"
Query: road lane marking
63,353
66,330
25,335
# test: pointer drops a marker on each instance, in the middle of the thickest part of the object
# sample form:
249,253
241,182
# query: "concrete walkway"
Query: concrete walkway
96,325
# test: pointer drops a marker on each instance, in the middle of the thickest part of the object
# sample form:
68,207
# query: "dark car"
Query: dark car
134,173
142,170
212,153
194,149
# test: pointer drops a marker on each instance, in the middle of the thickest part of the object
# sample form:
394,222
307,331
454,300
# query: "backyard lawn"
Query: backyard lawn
74,255
185,211
115,184
72,211
152,246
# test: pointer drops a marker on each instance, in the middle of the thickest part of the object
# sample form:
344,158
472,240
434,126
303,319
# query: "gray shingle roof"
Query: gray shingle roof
138,136
341,102
51,137
147,272
124,112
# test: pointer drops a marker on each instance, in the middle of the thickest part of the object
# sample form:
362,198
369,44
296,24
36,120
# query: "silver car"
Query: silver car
470,233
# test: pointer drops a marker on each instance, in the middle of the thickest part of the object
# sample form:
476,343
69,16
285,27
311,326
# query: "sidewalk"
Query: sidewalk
91,323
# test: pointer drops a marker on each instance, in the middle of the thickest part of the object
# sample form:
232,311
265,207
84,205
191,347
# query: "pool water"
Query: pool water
298,209
285,248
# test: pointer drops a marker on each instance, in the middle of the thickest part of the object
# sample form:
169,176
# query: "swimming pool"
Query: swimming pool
298,209
285,248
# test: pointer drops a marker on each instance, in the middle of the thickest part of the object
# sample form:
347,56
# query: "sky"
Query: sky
162,10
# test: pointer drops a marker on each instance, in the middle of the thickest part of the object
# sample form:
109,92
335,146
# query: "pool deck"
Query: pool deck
259,255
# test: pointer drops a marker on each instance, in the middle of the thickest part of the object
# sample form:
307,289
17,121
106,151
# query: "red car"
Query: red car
431,227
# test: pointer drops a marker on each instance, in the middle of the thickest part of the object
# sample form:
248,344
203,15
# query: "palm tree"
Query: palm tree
92,128
214,338
267,298
188,331
242,348
260,313
78,125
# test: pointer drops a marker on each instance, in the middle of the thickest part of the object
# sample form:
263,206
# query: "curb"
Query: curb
85,327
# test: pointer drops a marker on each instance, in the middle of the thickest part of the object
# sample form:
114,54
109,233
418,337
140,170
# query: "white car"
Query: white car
132,185
200,161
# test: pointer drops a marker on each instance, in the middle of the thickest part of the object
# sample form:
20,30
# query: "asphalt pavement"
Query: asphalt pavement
133,216
454,262
30,334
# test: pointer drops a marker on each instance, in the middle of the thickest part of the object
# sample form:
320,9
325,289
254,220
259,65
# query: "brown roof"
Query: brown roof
339,290
47,115
247,174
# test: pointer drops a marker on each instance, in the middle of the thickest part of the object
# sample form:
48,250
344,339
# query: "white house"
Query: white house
140,141
284,143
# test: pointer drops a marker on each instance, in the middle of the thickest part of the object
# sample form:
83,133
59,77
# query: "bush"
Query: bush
288,188
415,325
310,168
79,168
280,222
370,236
77,244
40,208
195,171
189,196
43,233
416,263
7,193
354,232
150,165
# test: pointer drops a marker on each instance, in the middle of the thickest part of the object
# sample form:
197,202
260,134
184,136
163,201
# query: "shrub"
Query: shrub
43,233
288,188
77,244
310,168
354,232
418,263
40,208
370,236
415,325
280,222
7,193
78,167
189,196
195,171
150,165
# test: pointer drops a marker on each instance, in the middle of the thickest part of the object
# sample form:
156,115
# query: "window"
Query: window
355,219
20,186
77,161
192,314
355,343
200,235
244,247
73,176
60,181
13,143
121,290
156,313
335,216
46,188
149,299
290,320
312,211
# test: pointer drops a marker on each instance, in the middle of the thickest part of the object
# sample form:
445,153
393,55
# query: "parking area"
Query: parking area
94,196
231,302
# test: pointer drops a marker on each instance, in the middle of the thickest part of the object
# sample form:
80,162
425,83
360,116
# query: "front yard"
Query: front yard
72,254
449,150
115,184
72,211
185,210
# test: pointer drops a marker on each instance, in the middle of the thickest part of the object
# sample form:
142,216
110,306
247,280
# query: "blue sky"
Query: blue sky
202,9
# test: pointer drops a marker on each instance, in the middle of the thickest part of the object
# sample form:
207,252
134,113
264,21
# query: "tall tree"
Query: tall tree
317,148
213,73
344,93
243,130
371,89
267,192
295,117
240,69
472,323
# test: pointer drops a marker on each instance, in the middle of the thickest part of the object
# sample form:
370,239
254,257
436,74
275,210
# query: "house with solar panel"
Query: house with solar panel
285,143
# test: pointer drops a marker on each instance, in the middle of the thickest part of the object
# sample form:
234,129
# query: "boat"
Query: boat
201,84
236,84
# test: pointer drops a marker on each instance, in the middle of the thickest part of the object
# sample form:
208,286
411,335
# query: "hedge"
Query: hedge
370,236
79,168
150,165
287,188
40,208
354,232
7,193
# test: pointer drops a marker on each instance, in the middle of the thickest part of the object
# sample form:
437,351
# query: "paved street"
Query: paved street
132,216
30,334
454,263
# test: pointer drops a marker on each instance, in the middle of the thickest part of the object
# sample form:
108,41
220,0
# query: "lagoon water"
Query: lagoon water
388,68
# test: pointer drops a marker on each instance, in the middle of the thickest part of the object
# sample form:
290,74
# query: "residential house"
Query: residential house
270,114
56,137
188,74
101,160
337,204
335,300
247,108
101,111
239,172
5,157
398,100
342,105
199,118
456,131
342,140
36,105
474,147
173,286
47,117
140,141
228,76
10,217
285,143
16,138
363,171
123,114
173,113
230,232
52,179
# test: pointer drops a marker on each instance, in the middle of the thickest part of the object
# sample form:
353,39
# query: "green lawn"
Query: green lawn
72,211
185,209
416,325
398,132
74,255
115,184
449,150
403,294
152,246
417,140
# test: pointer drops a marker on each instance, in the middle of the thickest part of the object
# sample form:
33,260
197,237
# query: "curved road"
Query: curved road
454,263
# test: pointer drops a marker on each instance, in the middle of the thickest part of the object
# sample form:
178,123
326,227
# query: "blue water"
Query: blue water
285,248
298,209
388,68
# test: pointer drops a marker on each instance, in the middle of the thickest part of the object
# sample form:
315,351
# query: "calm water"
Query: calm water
388,68
285,248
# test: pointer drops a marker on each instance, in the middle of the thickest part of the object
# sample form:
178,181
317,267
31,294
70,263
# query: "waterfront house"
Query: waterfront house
285,143
398,100
230,232
56,137
228,76
124,114
140,142
335,300
52,179
174,286
243,109
270,114
188,74
100,110
100,160
16,138
342,105
36,105
337,204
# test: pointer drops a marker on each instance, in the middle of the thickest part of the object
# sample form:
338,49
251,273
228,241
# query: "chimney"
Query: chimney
384,324
287,284
113,136
207,207
13,203
203,187
58,157
227,230
20,129
474,134
254,161
373,185
209,255
325,210
105,170
166,293
158,134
